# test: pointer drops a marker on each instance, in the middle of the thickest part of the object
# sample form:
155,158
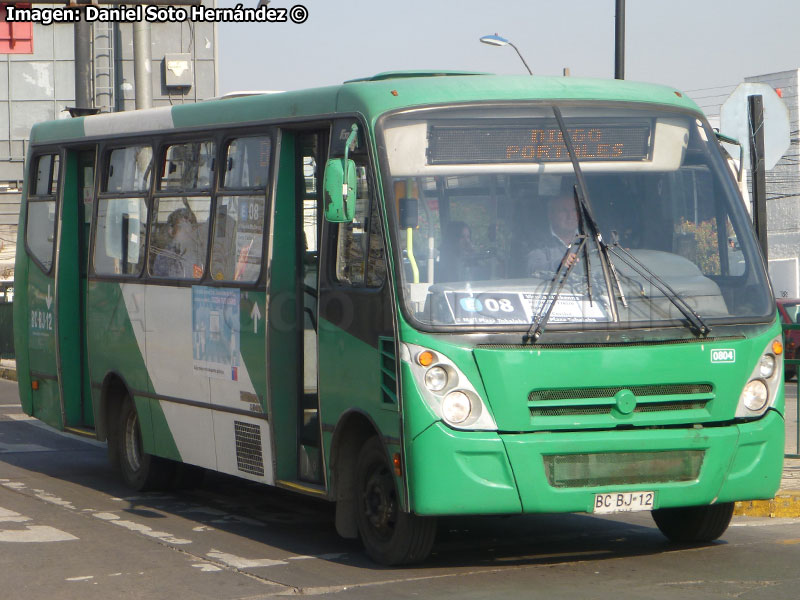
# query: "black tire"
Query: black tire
390,536
694,524
140,471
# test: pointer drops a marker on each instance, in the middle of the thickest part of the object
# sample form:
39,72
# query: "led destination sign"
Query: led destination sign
604,142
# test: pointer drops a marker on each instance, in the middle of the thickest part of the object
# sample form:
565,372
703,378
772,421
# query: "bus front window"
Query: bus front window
484,205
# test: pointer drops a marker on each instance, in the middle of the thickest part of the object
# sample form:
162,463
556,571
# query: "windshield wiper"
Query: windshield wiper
554,290
634,263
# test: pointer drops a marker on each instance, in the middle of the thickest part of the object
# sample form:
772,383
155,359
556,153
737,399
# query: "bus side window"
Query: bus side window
360,259
239,223
181,211
41,220
122,211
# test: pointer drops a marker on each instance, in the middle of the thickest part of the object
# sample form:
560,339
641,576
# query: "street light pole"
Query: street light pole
619,41
496,40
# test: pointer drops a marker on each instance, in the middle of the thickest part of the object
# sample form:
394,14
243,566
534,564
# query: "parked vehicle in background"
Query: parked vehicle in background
788,309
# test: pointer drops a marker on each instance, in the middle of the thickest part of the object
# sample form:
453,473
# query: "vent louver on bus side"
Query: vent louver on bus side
249,455
388,370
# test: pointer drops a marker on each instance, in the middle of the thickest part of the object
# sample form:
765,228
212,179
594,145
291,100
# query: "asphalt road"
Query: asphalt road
69,530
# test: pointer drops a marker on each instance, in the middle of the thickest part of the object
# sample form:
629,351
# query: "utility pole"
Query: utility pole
83,62
142,65
619,41
758,173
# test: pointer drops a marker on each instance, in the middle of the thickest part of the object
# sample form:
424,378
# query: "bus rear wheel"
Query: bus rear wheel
390,536
140,471
694,524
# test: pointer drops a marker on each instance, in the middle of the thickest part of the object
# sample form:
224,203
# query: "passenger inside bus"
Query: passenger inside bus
180,257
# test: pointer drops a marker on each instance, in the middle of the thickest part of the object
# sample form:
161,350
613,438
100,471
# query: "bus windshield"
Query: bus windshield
484,206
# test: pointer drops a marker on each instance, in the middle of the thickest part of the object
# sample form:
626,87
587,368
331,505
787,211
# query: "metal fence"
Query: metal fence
792,404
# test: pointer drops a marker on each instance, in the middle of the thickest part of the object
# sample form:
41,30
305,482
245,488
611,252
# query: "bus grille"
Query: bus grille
609,392
249,456
622,468
572,402
604,409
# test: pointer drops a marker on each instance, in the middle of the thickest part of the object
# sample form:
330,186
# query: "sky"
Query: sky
703,47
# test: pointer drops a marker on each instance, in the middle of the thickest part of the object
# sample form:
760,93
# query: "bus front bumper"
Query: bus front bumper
453,472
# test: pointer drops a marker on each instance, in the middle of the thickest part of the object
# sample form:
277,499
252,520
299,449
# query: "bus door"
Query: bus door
293,305
76,216
41,229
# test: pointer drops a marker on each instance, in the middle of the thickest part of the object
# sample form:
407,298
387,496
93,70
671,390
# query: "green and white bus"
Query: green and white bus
414,295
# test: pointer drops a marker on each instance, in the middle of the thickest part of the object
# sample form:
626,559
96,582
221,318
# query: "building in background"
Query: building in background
37,83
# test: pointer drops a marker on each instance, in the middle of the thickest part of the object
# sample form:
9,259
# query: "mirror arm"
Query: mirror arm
350,139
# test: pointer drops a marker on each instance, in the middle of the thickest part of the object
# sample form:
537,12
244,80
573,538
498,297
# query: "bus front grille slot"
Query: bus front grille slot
674,389
249,454
622,468
605,409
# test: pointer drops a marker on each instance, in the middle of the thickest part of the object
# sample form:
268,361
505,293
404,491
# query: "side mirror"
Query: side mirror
409,213
339,185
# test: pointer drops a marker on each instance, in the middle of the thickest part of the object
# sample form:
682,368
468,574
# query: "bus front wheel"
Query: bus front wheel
140,470
390,536
694,524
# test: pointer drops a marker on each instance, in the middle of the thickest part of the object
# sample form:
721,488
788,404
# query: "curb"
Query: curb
10,374
786,503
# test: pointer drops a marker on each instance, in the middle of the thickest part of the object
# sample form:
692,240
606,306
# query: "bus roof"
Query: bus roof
371,97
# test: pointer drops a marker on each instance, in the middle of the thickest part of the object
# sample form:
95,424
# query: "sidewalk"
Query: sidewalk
785,504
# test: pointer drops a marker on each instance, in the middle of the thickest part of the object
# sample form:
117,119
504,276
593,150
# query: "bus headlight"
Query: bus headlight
446,390
763,386
766,366
755,395
436,379
456,407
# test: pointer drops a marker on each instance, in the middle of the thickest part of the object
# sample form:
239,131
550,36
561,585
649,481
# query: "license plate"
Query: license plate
623,502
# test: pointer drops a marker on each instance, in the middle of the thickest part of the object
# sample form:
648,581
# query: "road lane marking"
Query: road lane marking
237,562
83,578
139,528
35,533
206,567
9,516
52,499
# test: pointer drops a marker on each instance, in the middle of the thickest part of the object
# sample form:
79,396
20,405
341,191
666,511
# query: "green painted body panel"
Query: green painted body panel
112,342
53,131
113,349
284,351
510,375
21,310
41,330
460,473
256,108
742,461
251,342
350,376
69,322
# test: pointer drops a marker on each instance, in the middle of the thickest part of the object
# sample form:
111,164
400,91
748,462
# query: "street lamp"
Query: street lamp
496,40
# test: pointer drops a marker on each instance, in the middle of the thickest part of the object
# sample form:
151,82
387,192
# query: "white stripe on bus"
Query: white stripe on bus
132,121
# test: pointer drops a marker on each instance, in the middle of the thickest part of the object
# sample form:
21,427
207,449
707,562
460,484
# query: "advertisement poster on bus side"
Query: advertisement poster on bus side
215,329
